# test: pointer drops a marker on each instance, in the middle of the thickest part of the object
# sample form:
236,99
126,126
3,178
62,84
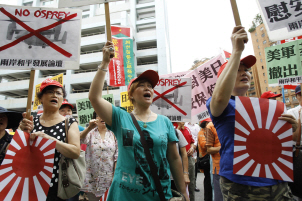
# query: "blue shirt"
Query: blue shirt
132,178
81,128
225,127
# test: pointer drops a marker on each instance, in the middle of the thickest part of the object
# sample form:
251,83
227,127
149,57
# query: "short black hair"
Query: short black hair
203,124
40,94
94,115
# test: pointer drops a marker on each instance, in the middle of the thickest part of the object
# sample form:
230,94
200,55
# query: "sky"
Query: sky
201,28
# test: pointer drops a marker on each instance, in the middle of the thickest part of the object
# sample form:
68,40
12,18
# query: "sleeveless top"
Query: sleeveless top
56,131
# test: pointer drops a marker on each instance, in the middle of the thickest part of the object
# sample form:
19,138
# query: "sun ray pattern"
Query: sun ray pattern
262,142
25,175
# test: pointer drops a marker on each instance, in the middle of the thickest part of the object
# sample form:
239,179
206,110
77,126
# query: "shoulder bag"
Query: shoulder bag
153,168
71,173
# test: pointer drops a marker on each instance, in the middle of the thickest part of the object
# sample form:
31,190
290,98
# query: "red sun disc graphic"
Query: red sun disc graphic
262,143
26,170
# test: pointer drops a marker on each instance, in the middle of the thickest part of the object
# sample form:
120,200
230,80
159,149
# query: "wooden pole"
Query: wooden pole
235,12
30,93
108,25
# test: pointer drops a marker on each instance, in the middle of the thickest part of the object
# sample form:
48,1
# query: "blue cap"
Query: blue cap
298,89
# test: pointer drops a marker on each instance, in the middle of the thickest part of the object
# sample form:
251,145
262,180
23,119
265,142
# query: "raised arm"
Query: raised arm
226,81
102,107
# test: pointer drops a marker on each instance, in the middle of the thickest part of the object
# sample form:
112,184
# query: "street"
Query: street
199,184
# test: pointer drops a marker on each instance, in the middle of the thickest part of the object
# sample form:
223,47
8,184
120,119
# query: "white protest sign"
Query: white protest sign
172,98
39,38
282,18
175,75
204,80
73,3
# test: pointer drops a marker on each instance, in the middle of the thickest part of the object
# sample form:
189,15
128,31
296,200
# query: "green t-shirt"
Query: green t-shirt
133,179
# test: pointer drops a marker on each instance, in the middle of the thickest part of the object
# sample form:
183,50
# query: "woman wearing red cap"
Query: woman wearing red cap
234,80
51,125
133,179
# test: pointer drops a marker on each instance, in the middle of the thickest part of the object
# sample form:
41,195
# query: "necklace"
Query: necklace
145,125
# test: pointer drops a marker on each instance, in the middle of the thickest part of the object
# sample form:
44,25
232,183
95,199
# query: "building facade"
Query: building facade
260,41
148,20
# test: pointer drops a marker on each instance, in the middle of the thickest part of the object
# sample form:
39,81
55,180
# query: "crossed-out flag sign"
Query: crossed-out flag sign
121,67
39,38
26,170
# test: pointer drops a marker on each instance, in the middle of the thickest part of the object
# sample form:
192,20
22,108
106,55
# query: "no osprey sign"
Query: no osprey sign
39,38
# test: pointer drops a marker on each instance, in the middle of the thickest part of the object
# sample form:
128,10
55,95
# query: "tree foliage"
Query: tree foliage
256,22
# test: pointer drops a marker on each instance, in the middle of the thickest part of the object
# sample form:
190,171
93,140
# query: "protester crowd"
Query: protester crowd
142,155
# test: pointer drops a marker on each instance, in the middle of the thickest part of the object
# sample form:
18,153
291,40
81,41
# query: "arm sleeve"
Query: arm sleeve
117,115
87,138
182,140
171,131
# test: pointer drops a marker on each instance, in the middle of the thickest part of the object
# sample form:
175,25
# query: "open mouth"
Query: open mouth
147,95
244,79
54,101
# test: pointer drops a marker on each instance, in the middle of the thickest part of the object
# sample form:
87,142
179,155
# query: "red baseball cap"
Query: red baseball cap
269,94
248,61
150,75
49,82
207,119
65,102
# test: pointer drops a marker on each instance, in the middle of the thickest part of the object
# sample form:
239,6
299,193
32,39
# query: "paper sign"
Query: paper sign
204,80
262,143
125,102
85,109
175,75
26,171
282,18
37,102
39,38
172,98
283,62
74,3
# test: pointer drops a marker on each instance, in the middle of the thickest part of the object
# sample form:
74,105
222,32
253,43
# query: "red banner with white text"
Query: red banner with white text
116,65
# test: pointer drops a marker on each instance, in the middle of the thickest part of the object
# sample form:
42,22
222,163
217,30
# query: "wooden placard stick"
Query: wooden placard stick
30,93
235,12
108,25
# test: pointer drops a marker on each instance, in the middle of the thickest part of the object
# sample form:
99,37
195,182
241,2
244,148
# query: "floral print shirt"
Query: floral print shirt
100,156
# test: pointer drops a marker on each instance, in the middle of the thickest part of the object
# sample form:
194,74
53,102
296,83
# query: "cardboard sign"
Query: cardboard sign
39,38
85,109
74,3
37,102
203,80
172,98
26,171
282,18
284,63
175,75
262,143
125,102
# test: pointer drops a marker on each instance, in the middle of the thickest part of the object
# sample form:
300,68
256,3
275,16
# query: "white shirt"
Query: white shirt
194,128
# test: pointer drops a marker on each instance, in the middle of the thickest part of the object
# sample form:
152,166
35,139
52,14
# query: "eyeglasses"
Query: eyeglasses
58,93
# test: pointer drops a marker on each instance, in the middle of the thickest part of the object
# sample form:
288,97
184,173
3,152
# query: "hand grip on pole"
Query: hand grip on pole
30,93
236,13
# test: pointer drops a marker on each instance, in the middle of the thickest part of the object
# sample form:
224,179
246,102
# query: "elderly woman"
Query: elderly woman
133,179
8,119
234,80
101,155
51,125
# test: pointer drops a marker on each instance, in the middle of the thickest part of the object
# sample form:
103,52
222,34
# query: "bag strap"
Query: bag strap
151,163
66,128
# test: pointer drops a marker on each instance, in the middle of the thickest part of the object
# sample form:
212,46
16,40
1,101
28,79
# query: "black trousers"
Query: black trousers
207,184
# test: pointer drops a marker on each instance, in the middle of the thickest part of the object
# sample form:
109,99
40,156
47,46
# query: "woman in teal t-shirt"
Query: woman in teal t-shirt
133,179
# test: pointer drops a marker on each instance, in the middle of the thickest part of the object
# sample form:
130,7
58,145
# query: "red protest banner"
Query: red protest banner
262,142
26,171
116,65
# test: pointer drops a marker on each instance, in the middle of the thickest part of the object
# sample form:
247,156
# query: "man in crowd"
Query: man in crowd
296,112
190,148
194,128
213,147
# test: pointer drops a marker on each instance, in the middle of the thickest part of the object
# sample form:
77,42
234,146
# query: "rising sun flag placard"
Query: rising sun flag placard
262,143
26,170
